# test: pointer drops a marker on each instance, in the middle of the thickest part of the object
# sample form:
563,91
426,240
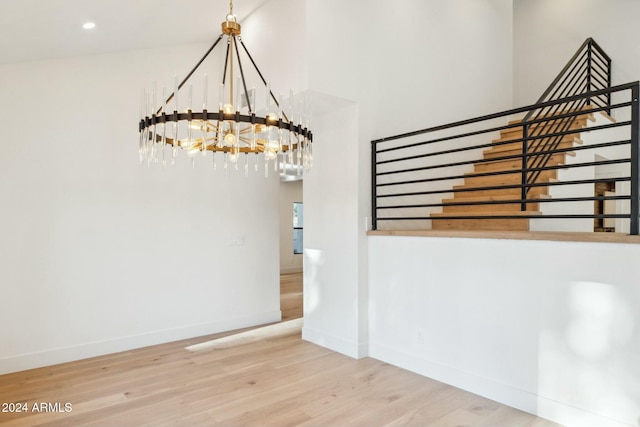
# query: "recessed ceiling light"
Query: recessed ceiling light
88,25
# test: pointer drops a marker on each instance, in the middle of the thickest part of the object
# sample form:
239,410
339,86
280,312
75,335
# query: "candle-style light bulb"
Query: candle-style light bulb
175,123
164,127
238,101
267,104
155,126
143,130
205,86
189,127
252,106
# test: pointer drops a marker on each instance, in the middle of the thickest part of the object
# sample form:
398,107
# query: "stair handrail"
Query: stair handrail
591,44
583,73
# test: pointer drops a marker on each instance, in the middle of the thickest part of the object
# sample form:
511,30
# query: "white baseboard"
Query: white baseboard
98,348
340,345
530,402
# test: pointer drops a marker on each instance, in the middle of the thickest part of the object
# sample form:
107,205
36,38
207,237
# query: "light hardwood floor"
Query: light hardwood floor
291,296
279,381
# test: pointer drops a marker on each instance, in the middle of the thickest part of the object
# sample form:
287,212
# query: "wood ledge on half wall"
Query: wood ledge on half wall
515,235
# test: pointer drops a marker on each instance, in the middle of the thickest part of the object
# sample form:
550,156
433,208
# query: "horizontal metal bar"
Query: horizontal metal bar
614,89
466,175
507,171
494,129
565,133
488,160
436,153
531,155
500,187
507,202
451,137
578,165
438,218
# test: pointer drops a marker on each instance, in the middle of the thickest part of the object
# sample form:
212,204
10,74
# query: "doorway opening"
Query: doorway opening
291,249
605,207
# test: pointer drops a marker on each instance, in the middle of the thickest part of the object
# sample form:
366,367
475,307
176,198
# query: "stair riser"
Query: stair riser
498,143
586,115
516,147
482,224
511,178
499,154
502,165
548,128
535,192
488,208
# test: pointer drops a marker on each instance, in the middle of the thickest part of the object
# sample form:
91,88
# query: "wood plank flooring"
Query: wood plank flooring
291,296
279,381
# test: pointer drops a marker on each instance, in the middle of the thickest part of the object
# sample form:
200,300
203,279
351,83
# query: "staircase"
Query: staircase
485,200
412,172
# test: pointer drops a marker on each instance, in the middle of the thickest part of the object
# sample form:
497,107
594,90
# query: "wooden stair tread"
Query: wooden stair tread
577,121
518,224
502,208
584,116
506,141
543,131
585,108
516,147
491,154
489,198
513,164
505,152
488,213
537,192
506,178
608,117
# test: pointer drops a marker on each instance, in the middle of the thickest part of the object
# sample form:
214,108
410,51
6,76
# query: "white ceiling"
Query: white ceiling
40,29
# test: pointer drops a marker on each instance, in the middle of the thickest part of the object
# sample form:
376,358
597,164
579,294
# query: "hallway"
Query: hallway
291,296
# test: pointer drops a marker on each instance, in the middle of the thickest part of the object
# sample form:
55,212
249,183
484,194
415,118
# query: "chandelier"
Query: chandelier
234,128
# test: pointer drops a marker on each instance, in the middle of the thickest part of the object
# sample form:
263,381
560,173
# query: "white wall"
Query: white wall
548,32
290,192
99,254
399,66
548,327
332,299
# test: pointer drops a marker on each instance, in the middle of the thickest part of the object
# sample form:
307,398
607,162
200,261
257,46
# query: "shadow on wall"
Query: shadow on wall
587,356
314,259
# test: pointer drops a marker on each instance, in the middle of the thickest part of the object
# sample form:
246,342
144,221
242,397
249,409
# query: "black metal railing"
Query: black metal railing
544,139
588,70
412,175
